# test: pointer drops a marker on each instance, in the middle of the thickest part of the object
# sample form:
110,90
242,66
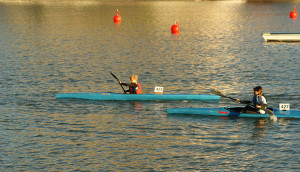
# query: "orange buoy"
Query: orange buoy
175,28
293,14
117,18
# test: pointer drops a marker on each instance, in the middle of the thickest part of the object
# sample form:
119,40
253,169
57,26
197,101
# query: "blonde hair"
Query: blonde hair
135,77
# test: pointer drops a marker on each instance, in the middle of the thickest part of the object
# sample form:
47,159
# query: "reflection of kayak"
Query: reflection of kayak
232,112
116,96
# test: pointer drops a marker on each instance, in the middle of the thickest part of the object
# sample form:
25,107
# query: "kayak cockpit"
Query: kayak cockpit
235,109
243,110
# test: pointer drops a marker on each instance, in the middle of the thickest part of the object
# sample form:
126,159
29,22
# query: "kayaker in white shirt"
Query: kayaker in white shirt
258,103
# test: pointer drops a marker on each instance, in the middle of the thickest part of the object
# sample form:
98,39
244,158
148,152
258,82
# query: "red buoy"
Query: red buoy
117,18
293,14
175,28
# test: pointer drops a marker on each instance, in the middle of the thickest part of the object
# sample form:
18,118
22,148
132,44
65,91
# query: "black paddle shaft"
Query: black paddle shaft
216,92
118,81
219,93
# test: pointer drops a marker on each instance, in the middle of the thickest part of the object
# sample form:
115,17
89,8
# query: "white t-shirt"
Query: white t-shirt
262,100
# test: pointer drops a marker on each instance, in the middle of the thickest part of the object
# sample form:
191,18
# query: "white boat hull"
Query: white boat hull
282,37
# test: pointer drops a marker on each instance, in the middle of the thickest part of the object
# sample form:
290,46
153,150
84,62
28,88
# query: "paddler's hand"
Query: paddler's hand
238,100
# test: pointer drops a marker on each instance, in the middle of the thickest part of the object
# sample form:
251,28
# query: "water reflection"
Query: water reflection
259,129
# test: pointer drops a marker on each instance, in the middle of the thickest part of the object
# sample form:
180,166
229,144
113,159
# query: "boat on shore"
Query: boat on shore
233,112
143,97
281,37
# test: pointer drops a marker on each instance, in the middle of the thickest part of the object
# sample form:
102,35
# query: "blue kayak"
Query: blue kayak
117,96
232,112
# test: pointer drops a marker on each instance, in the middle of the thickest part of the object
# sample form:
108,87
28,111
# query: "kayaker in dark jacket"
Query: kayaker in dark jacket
134,86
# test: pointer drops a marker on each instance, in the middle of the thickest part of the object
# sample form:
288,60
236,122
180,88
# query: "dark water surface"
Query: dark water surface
50,48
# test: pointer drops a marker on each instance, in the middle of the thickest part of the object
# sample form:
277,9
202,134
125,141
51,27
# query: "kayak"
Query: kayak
233,112
118,96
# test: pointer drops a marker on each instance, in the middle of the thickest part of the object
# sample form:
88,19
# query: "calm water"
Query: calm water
50,48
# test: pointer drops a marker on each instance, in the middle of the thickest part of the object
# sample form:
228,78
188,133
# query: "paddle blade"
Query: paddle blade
219,93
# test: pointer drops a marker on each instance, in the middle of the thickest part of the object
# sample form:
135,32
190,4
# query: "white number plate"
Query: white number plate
159,89
284,106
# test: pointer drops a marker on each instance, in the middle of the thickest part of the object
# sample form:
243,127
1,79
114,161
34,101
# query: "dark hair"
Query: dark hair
257,88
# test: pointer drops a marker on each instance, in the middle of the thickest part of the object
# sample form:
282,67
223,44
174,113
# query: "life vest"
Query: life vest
137,90
255,101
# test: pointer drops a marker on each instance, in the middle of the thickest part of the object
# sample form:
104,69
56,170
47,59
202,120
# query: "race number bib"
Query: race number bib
284,106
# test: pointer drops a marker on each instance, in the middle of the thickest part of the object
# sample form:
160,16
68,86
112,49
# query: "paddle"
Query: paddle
118,81
269,112
219,93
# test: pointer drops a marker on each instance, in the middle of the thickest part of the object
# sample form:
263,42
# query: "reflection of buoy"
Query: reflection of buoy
175,28
117,18
293,14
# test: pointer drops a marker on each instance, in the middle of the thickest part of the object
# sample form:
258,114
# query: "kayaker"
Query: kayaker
258,103
134,86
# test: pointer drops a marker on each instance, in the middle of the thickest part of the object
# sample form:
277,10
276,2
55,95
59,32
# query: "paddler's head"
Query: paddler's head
258,90
133,78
